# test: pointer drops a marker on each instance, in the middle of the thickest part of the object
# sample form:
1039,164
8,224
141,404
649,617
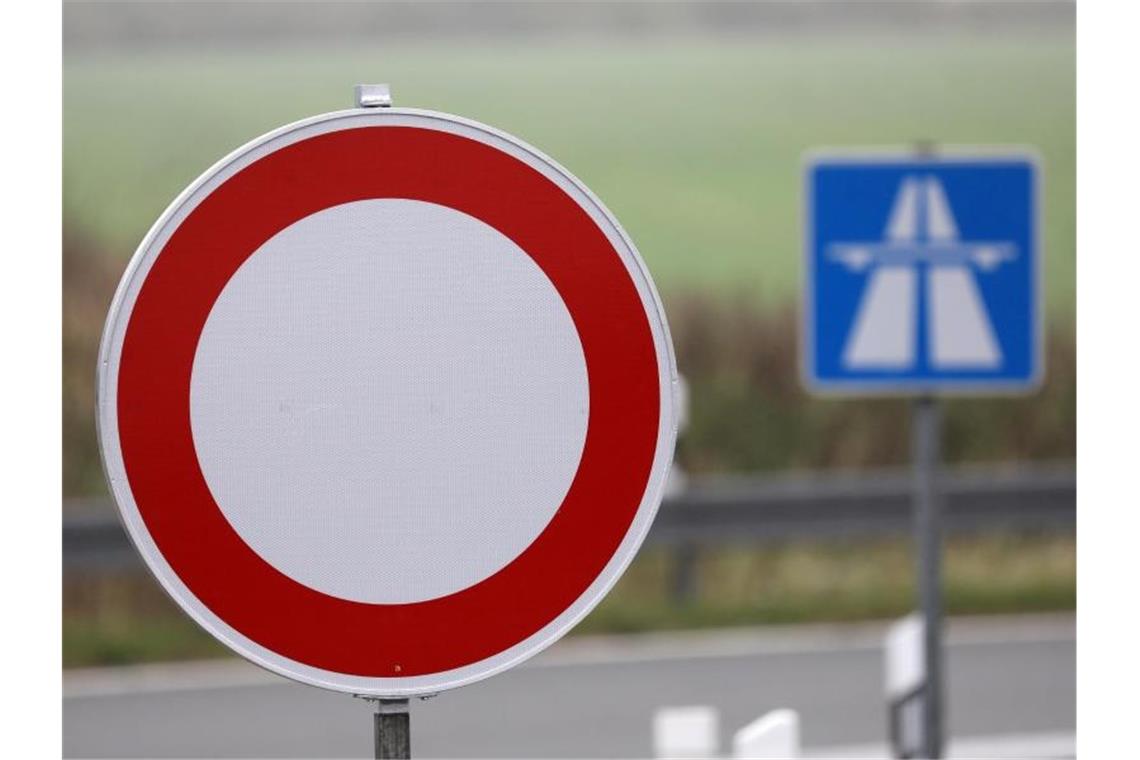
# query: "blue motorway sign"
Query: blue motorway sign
923,274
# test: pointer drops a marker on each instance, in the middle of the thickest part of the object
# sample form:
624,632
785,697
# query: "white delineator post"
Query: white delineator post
686,732
904,678
776,734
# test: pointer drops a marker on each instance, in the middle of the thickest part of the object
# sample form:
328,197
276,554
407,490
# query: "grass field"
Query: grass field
695,145
109,620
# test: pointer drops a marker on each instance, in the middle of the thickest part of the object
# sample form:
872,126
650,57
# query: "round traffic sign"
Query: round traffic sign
386,400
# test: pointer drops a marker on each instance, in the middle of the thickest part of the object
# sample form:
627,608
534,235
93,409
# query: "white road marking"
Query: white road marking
1045,745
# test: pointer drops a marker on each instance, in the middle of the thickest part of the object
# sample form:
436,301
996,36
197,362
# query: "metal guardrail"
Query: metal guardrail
724,510
851,505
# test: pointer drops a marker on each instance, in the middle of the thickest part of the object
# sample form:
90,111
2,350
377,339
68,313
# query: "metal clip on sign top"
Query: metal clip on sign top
372,96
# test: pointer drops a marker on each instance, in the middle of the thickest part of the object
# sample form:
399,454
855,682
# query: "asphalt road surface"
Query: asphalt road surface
588,697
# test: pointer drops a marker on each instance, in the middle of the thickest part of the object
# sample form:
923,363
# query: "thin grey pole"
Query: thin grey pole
393,729
925,441
683,581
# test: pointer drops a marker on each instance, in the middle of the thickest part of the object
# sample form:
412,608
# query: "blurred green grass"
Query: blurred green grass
694,144
805,582
112,619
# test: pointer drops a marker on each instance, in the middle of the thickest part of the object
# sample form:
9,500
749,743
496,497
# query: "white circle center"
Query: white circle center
389,401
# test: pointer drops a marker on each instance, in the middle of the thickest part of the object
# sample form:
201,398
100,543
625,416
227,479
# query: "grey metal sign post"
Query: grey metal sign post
926,452
925,455
392,729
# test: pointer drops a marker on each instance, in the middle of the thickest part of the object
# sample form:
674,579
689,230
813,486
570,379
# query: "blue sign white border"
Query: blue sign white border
945,154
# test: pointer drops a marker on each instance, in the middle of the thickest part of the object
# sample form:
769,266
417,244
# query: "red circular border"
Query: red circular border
199,544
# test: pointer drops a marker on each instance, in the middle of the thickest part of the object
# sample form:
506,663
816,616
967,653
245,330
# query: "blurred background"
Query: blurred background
689,120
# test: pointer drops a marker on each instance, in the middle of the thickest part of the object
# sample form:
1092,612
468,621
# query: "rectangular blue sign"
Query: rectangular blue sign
923,274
